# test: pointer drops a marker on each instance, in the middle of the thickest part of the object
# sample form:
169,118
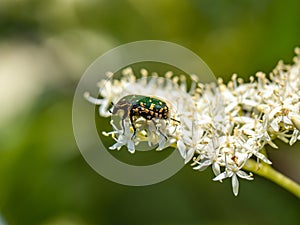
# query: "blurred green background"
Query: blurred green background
45,46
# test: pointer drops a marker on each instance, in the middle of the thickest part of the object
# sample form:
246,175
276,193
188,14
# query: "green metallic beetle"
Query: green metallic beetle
135,106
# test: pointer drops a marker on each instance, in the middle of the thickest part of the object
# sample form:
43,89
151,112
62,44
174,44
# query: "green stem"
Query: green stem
268,172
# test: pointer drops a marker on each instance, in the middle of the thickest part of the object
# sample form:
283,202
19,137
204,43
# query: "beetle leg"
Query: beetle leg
123,119
123,125
132,124
110,110
159,129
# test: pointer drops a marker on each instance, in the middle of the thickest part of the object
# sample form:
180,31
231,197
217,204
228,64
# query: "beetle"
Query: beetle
147,107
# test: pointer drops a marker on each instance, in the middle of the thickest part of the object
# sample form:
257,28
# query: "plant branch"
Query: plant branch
270,173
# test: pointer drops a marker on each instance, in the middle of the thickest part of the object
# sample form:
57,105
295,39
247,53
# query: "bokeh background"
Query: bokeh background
45,46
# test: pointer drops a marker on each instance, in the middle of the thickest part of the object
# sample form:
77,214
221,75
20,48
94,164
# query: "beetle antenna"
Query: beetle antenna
175,120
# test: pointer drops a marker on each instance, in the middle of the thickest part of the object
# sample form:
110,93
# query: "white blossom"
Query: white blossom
218,125
156,132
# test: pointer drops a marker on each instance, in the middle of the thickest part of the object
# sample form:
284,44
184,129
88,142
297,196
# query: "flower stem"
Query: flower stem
268,172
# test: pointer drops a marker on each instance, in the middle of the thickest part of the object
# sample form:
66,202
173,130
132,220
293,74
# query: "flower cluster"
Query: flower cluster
161,133
218,125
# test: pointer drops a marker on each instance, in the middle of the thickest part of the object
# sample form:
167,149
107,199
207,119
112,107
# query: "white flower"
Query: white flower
124,138
233,172
189,143
217,125
209,158
116,99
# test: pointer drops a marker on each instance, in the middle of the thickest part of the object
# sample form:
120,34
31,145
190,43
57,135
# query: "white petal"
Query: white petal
272,144
243,119
296,121
274,125
115,146
182,149
274,111
189,155
244,175
223,175
230,106
250,103
216,168
262,157
103,109
267,136
294,137
202,165
235,184
93,100
161,146
130,146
